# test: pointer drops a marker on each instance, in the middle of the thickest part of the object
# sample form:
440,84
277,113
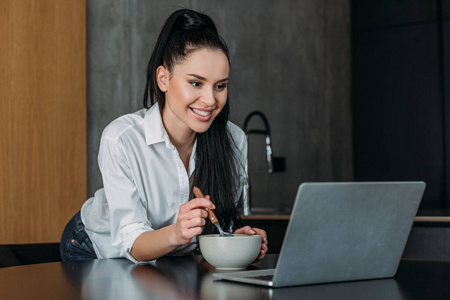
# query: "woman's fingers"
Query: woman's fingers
187,234
186,229
192,214
263,235
195,208
245,230
191,218
187,225
197,203
264,249
251,231
264,242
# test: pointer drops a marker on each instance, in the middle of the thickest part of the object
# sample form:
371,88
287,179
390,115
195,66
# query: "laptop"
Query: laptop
341,231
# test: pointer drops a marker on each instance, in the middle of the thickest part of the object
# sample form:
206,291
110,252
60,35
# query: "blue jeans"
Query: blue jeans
75,243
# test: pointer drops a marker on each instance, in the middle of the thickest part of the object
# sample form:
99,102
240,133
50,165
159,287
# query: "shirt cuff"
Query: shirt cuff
137,262
130,242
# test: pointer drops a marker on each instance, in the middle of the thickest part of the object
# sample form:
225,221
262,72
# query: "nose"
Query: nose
209,97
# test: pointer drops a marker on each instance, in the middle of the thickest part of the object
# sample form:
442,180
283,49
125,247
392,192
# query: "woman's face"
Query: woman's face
195,90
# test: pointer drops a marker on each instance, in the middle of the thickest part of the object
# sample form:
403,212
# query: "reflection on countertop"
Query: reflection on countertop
190,278
176,277
165,278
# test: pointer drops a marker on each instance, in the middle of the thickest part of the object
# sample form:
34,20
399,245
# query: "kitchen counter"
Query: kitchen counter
267,217
283,217
432,219
191,278
427,240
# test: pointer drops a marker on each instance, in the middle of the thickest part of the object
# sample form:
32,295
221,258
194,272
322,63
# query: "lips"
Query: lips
202,114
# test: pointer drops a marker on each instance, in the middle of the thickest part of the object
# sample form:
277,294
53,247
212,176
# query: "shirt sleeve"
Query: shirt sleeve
128,218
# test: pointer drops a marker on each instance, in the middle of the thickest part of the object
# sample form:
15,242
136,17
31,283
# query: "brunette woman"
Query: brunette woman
151,160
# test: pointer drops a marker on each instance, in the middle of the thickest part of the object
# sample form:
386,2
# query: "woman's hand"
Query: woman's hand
154,244
191,218
252,231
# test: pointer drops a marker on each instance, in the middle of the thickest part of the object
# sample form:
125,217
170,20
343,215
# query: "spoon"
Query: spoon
211,215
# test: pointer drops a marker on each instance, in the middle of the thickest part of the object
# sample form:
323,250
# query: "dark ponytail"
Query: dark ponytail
183,32
215,172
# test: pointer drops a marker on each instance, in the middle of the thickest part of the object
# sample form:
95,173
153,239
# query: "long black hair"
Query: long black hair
215,172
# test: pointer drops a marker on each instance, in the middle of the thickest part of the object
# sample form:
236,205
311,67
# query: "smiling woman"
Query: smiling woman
150,160
195,93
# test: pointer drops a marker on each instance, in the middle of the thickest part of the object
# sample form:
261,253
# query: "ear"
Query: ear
162,78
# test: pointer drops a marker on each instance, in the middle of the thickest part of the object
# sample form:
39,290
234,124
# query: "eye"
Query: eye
221,87
196,84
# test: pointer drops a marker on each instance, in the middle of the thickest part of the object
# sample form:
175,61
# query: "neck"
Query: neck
182,137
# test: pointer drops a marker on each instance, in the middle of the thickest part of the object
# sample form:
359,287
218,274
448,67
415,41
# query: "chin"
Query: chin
201,129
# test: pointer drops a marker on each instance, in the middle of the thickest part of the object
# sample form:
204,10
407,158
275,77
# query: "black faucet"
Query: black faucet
274,164
265,131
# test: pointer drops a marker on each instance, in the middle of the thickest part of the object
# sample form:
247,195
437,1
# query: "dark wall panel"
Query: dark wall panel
446,90
369,13
446,9
397,107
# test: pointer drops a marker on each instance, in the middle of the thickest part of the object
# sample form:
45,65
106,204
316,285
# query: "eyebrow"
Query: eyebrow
204,79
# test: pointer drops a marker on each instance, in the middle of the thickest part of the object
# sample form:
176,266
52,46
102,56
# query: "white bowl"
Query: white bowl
230,253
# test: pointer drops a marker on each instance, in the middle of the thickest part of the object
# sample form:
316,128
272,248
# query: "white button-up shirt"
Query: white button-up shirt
145,183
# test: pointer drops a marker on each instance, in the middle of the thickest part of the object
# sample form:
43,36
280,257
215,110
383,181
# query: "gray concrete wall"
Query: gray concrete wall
289,59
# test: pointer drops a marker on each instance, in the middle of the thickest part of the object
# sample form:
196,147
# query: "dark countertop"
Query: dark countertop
191,278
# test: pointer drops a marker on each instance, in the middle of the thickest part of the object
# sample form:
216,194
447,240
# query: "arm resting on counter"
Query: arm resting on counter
153,244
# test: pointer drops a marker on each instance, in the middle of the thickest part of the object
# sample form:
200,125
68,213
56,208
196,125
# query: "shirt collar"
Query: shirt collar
153,126
156,133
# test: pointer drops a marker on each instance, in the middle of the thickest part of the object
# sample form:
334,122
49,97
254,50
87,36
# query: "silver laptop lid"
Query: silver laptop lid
347,231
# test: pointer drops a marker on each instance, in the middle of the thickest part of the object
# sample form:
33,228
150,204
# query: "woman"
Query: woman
151,160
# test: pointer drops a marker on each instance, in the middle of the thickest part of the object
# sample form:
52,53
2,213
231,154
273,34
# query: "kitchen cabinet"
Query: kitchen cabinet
428,238
43,118
400,106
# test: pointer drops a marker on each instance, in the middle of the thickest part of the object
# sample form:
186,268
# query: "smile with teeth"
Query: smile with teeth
203,113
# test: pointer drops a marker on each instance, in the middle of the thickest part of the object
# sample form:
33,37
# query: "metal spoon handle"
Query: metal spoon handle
221,232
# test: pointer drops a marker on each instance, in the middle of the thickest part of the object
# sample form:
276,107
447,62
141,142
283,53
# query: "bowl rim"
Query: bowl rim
235,235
